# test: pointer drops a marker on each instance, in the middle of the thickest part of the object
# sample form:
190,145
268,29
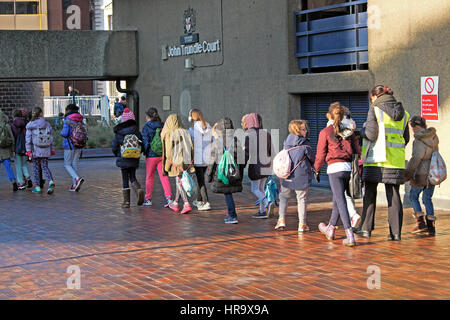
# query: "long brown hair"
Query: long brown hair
296,125
197,115
337,113
36,113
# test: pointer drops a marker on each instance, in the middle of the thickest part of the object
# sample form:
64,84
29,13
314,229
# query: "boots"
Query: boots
328,230
140,193
420,226
350,240
431,225
126,198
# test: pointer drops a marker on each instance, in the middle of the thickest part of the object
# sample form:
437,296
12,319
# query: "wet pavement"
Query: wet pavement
153,253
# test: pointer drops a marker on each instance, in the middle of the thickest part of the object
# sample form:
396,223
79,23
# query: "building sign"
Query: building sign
429,89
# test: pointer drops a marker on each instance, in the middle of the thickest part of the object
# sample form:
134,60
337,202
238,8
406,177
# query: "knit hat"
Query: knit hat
127,115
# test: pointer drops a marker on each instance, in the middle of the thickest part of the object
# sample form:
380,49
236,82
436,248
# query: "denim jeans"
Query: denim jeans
230,205
71,158
21,168
427,195
9,170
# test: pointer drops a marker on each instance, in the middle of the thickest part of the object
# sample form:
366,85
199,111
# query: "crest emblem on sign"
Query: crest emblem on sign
189,21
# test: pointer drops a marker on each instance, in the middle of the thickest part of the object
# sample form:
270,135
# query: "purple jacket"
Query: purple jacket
18,126
37,151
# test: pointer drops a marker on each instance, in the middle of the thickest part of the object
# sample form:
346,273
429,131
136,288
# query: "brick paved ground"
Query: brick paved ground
152,253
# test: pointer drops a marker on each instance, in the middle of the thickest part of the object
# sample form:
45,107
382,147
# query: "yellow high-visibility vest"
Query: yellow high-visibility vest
393,140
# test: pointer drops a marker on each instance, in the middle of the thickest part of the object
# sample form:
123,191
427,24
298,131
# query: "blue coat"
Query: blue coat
148,132
301,178
66,131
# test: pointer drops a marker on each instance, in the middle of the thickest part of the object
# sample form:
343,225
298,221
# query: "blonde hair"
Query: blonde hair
197,115
243,122
337,113
296,125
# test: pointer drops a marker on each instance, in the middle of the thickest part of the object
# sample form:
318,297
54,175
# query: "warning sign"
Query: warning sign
429,98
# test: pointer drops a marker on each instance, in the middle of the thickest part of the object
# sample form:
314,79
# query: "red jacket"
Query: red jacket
334,149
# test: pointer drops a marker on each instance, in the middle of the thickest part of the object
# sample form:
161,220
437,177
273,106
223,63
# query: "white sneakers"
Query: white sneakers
356,221
201,206
147,202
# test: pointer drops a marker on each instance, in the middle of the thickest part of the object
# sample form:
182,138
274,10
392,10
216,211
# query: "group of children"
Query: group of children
30,139
201,150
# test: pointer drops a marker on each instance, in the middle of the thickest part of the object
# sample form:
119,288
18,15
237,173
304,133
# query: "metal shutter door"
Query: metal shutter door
314,108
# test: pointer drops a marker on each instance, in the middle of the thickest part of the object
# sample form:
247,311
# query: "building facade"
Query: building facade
288,59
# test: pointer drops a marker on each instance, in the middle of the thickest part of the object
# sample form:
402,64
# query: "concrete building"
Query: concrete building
263,57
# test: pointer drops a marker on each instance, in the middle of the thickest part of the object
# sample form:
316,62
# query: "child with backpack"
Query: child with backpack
20,160
7,147
75,137
258,152
299,177
177,157
40,146
201,136
227,163
126,146
151,135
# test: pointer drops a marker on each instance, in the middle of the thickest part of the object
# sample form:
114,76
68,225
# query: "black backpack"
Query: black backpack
20,143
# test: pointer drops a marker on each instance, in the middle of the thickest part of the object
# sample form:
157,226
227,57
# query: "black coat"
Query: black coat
120,131
253,149
225,130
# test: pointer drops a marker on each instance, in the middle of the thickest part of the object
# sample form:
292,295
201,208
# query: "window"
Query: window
7,7
27,7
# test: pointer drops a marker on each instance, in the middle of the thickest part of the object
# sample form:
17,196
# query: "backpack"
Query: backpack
131,147
228,170
42,137
156,144
5,138
79,135
282,163
438,170
20,143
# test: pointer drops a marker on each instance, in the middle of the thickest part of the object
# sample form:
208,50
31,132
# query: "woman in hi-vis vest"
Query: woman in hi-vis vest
385,134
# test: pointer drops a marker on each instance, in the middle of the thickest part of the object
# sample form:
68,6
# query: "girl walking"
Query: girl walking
40,146
257,149
7,147
336,149
127,128
300,179
425,142
223,132
177,157
71,153
152,133
18,128
202,137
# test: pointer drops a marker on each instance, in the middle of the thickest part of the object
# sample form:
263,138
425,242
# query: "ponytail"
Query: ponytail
153,114
336,112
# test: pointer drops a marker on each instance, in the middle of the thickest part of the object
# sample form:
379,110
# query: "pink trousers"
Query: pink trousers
153,164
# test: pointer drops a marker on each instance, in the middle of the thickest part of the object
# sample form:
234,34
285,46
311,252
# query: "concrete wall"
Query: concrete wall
247,75
412,42
67,55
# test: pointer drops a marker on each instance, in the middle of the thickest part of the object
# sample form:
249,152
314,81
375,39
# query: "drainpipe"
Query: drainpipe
135,99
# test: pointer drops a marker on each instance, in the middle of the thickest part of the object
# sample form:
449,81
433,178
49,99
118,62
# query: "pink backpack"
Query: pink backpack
438,170
282,163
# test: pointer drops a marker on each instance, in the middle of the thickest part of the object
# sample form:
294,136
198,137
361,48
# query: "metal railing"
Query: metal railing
89,105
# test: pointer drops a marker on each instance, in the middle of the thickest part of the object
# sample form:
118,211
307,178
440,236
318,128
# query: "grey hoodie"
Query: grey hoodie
37,151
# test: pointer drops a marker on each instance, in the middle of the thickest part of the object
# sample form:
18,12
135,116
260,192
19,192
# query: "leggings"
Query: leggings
200,174
128,175
38,165
258,190
339,185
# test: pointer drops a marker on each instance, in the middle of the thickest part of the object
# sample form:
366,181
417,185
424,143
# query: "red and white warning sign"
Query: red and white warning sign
429,89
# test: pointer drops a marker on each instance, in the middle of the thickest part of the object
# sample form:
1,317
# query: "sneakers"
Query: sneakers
51,187
168,202
173,206
147,202
72,189
78,184
303,228
356,221
260,215
203,206
231,220
186,208
15,187
281,225
22,186
37,190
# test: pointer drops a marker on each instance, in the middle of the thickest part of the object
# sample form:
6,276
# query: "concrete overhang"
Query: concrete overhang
68,55
330,82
